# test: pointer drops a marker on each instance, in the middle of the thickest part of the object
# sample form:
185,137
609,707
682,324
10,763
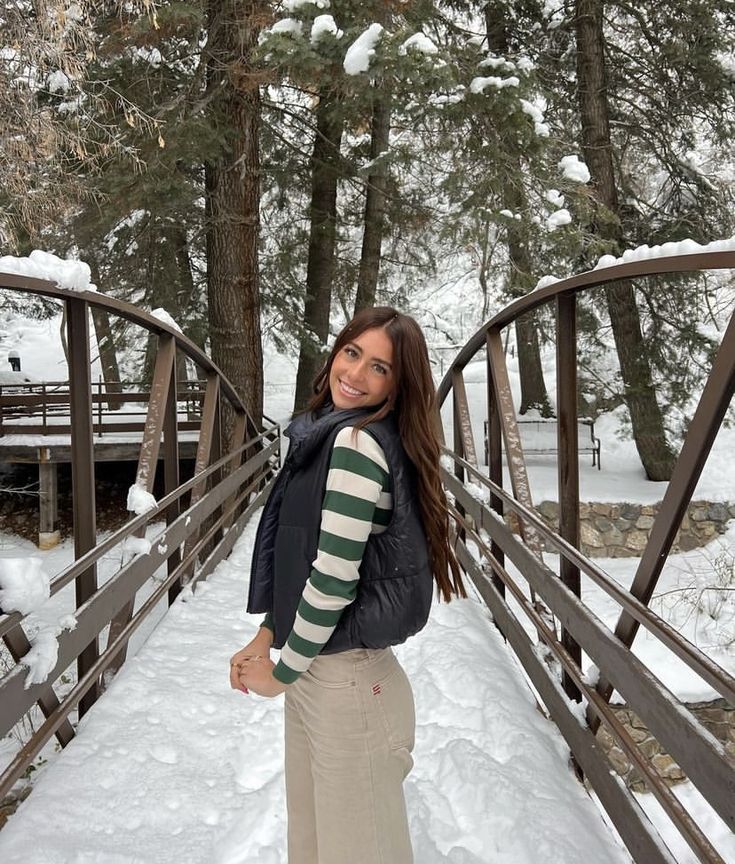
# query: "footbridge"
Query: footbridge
105,711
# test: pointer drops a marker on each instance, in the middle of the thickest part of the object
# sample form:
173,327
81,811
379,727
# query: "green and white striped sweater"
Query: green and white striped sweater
357,501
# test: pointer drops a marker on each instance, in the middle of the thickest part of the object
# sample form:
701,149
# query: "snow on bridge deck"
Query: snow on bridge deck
174,766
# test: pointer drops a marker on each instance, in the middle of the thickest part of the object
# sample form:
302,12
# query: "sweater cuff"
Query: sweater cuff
267,622
284,673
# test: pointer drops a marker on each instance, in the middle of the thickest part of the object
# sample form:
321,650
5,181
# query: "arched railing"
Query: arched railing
487,542
203,517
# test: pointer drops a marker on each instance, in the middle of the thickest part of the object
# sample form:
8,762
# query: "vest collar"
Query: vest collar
307,431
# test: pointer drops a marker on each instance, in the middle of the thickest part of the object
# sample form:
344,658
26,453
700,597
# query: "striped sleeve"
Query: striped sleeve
357,501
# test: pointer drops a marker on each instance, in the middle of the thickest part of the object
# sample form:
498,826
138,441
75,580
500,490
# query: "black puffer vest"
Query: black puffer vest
395,588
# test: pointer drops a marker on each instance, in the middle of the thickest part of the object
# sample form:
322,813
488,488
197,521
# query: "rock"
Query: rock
622,552
549,510
636,540
631,512
687,542
602,524
590,537
697,513
718,513
644,523
667,768
619,761
613,537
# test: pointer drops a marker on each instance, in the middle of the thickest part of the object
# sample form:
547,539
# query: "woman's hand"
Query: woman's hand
259,646
256,674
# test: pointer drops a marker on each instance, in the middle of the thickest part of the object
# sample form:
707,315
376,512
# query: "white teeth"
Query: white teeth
350,390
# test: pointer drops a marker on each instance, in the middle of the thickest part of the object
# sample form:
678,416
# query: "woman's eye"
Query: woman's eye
381,370
350,352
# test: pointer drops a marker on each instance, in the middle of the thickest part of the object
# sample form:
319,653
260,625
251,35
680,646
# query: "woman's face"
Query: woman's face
362,371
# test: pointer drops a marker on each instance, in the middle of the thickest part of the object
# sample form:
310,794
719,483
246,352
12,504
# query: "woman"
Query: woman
354,529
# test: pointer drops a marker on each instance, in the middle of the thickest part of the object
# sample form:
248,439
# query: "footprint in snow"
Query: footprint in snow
164,753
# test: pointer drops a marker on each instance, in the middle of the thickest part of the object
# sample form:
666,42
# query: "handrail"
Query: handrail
661,266
134,525
717,677
551,596
233,471
46,288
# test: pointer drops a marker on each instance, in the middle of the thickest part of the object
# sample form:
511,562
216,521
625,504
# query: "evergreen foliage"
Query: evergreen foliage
480,105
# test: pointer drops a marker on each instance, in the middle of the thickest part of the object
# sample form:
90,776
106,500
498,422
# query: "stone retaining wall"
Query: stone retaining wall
717,716
622,530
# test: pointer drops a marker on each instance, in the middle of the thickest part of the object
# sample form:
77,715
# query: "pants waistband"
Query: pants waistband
336,667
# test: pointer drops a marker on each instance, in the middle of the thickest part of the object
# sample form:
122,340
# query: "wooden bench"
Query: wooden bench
540,436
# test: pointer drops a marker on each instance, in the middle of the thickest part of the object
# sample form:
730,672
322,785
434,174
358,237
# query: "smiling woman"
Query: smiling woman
354,529
362,372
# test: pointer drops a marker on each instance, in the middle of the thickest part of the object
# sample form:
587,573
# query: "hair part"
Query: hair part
414,402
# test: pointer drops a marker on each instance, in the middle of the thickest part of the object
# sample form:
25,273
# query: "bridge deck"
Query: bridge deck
171,765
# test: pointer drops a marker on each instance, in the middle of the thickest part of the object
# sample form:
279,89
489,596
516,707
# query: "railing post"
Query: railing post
171,473
494,462
82,468
511,436
99,403
458,446
568,461
146,473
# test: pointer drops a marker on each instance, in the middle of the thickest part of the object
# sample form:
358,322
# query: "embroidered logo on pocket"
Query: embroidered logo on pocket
376,690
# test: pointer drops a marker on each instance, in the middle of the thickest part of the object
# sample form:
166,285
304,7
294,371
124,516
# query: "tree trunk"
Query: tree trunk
639,393
322,241
108,355
520,280
232,196
372,238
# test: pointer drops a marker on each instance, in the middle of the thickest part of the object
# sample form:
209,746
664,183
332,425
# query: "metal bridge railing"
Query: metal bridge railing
543,597
204,516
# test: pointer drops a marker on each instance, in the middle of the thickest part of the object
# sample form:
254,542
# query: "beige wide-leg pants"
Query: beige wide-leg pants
349,735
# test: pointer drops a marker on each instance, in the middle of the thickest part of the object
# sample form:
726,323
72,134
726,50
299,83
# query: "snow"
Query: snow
479,85
420,43
69,274
554,196
293,5
681,247
139,500
23,584
42,657
164,316
537,115
497,63
172,765
16,379
559,218
573,168
324,25
358,56
286,25
58,82
546,280
243,775
136,545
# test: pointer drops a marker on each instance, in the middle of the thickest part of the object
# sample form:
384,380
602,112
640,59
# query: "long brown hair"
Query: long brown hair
414,403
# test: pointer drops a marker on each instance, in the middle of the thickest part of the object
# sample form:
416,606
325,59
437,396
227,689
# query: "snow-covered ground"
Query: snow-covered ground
172,765
489,769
